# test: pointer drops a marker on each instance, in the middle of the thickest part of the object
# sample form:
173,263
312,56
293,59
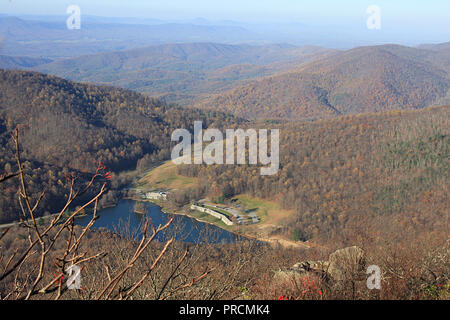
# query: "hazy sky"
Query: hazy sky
424,12
408,22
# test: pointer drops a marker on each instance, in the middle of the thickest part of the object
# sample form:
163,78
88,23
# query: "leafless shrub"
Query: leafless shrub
37,268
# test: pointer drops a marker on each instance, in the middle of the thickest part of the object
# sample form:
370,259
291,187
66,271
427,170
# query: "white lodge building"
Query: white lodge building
156,195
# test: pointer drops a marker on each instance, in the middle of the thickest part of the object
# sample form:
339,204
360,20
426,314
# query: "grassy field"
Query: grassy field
267,211
165,177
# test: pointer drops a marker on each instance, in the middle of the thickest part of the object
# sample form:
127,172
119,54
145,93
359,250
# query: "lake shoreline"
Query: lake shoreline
163,210
124,215
272,241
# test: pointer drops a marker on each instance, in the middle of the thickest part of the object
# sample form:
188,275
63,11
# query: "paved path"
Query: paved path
15,223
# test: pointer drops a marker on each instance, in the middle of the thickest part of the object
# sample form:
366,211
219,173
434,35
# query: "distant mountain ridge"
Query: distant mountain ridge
252,81
52,39
437,47
364,79
9,62
181,72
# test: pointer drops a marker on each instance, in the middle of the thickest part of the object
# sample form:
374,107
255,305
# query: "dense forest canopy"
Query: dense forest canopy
361,179
386,171
66,126
363,79
183,72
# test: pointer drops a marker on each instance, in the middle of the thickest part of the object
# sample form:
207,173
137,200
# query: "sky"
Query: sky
435,12
402,21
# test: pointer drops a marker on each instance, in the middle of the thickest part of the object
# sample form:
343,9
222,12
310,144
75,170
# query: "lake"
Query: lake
123,220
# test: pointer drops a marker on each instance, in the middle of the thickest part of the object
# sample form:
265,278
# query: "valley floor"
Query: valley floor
165,178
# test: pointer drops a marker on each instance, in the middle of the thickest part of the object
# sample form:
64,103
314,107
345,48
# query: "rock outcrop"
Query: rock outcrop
347,263
344,264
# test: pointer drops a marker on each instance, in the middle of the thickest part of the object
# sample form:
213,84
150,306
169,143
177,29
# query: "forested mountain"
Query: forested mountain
364,177
9,62
438,47
183,72
66,126
364,79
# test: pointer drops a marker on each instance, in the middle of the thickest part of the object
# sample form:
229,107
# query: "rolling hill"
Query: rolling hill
66,126
183,72
381,174
9,62
364,79
50,38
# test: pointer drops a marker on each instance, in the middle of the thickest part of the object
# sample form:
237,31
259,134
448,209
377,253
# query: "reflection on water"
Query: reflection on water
124,220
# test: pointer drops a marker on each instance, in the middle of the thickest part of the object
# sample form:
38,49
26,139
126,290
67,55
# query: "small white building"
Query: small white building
156,195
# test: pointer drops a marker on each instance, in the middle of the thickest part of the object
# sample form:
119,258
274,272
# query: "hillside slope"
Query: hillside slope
352,177
9,62
365,79
66,126
181,72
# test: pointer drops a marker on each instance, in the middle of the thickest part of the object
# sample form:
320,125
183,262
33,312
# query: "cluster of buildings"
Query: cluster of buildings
153,195
214,213
156,195
234,215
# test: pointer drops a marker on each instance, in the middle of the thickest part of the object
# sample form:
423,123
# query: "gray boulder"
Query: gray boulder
347,263
344,264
